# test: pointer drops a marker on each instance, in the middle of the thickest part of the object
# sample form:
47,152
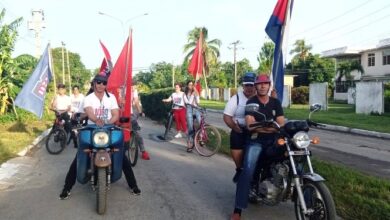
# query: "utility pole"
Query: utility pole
36,24
235,43
173,75
69,78
63,63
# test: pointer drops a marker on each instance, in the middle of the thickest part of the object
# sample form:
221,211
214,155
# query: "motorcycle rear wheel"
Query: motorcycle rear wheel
317,197
101,192
56,141
132,150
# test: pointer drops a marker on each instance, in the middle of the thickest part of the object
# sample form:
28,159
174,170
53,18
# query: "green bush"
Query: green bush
387,100
300,95
152,104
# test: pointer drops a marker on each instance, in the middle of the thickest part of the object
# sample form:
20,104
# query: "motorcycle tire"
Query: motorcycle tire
318,197
56,141
101,192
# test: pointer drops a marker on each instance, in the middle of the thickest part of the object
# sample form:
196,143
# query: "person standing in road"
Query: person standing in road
234,118
179,110
192,100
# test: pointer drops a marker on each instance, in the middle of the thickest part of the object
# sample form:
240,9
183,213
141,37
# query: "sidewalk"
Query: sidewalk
340,129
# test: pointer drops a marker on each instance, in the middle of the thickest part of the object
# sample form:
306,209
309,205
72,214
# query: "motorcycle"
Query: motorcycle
288,174
99,159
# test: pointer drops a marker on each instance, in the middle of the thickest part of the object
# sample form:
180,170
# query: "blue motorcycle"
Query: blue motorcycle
99,159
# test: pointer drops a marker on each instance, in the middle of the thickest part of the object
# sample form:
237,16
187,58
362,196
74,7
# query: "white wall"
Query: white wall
369,97
379,69
340,96
318,93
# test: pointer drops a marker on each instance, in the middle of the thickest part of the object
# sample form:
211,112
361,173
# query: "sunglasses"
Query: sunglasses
248,85
101,82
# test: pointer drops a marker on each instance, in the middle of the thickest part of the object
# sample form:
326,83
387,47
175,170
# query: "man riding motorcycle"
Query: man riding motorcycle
101,108
260,139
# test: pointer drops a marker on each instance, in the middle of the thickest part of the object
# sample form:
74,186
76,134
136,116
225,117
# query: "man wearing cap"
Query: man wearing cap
101,108
272,109
62,103
234,118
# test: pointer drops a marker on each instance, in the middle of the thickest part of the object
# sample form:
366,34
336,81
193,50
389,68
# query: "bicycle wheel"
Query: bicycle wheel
132,151
168,126
207,141
56,141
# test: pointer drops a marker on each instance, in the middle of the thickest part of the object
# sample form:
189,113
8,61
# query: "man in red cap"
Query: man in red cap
272,109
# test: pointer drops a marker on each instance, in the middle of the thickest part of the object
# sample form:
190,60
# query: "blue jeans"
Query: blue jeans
253,152
190,121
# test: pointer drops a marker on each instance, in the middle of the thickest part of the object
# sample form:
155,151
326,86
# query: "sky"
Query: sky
161,35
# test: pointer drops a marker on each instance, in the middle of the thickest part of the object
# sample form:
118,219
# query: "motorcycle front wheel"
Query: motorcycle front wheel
318,199
101,192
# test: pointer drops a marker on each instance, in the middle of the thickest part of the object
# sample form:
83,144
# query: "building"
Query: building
374,61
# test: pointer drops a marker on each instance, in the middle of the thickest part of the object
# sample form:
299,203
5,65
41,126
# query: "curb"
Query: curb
374,134
34,143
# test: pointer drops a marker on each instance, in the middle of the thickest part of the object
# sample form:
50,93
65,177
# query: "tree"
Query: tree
243,66
345,68
265,57
320,69
301,49
8,34
210,48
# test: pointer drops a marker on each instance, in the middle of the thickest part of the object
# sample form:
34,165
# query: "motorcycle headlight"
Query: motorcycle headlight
100,138
301,140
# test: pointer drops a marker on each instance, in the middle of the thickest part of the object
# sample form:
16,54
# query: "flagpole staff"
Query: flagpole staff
63,63
69,78
52,69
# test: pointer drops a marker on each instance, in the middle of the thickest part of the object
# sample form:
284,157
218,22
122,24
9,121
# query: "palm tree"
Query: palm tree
301,49
210,48
345,68
265,57
8,34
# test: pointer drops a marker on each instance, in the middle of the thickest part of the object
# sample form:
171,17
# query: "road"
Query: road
175,185
367,154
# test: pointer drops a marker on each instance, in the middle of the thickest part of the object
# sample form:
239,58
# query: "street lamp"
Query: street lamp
121,21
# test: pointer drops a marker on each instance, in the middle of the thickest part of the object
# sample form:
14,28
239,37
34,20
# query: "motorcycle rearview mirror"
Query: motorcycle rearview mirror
254,108
315,107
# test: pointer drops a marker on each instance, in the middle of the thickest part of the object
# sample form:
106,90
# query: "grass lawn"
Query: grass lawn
337,114
14,136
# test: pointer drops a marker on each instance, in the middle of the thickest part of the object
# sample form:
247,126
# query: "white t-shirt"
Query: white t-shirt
62,102
237,111
178,99
77,102
192,99
102,109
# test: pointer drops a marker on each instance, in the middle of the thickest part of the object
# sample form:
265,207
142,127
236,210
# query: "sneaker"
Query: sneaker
237,175
145,155
64,194
178,135
136,191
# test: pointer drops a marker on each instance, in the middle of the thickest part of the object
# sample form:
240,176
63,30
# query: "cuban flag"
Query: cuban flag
32,95
277,30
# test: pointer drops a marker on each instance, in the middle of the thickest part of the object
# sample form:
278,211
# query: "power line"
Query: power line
332,19
348,24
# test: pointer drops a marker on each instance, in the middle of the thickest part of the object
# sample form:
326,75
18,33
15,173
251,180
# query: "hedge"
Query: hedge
300,95
152,104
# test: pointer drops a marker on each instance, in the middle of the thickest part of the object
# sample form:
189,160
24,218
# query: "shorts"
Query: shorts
238,140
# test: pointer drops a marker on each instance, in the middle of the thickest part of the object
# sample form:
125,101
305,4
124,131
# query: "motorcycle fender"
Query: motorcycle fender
102,159
313,177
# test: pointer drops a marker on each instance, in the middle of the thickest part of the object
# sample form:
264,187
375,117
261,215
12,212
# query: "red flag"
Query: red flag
197,62
106,63
120,81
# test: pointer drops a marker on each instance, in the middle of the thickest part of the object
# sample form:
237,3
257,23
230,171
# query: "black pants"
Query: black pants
70,179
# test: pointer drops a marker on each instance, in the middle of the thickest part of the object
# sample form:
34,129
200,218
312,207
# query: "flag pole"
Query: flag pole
52,69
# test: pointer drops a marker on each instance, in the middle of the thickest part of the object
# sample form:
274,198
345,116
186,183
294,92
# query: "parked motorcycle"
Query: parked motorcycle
99,159
288,174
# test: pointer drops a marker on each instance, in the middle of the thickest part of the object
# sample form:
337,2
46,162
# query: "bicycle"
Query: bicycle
56,140
207,139
132,146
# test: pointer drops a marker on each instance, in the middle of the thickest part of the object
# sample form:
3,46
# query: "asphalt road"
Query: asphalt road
175,185
367,154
